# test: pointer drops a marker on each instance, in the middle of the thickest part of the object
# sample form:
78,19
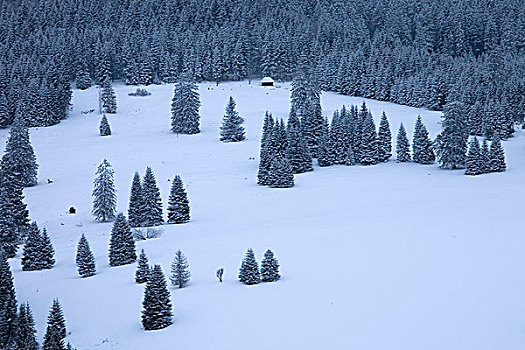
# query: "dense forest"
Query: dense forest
414,52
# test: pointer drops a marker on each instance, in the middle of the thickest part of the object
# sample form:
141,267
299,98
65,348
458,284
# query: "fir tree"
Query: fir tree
156,313
402,145
142,272
474,159
104,128
48,252
83,80
85,259
9,236
8,303
297,151
18,163
135,202
350,156
52,341
180,275
249,271
281,174
32,256
109,99
338,139
422,148
451,143
497,156
185,105
26,332
56,328
104,193
121,244
269,268
232,129
324,155
265,157
151,200
178,203
384,140
369,144
485,156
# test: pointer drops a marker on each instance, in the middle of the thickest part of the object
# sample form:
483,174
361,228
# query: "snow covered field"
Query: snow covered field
392,256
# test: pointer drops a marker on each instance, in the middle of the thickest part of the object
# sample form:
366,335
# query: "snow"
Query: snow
392,256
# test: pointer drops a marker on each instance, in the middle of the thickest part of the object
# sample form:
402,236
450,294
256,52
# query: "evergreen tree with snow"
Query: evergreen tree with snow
269,268
180,275
369,144
422,149
297,151
497,156
108,97
232,129
324,154
135,202
26,332
157,310
185,105
9,232
249,271
104,193
178,203
474,164
121,244
56,328
104,127
8,303
485,156
142,272
48,252
451,143
52,341
402,145
350,156
281,174
151,200
265,157
82,80
18,163
85,259
32,256
384,140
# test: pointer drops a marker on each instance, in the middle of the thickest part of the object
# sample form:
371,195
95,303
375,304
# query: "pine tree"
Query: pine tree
151,200
178,203
402,145
249,271
32,256
269,268
185,105
109,99
485,156
369,144
135,202
104,193
8,303
121,244
384,140
85,259
26,332
56,328
180,275
104,127
497,156
297,151
451,143
156,313
18,163
265,157
232,129
422,148
142,273
474,159
48,252
281,174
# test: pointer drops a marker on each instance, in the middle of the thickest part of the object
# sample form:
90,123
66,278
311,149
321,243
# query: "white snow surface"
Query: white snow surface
392,256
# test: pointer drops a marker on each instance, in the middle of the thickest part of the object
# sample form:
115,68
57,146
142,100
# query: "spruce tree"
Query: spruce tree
232,129
497,156
85,259
324,154
151,200
178,203
18,164
104,193
265,157
474,159
26,332
350,156
32,256
8,303
52,341
185,105
369,144
451,143
142,272
402,145
281,174
48,252
135,202
104,127
485,156
180,275
121,244
249,271
297,151
338,139
422,149
56,328
384,140
9,234
269,268
109,99
156,313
